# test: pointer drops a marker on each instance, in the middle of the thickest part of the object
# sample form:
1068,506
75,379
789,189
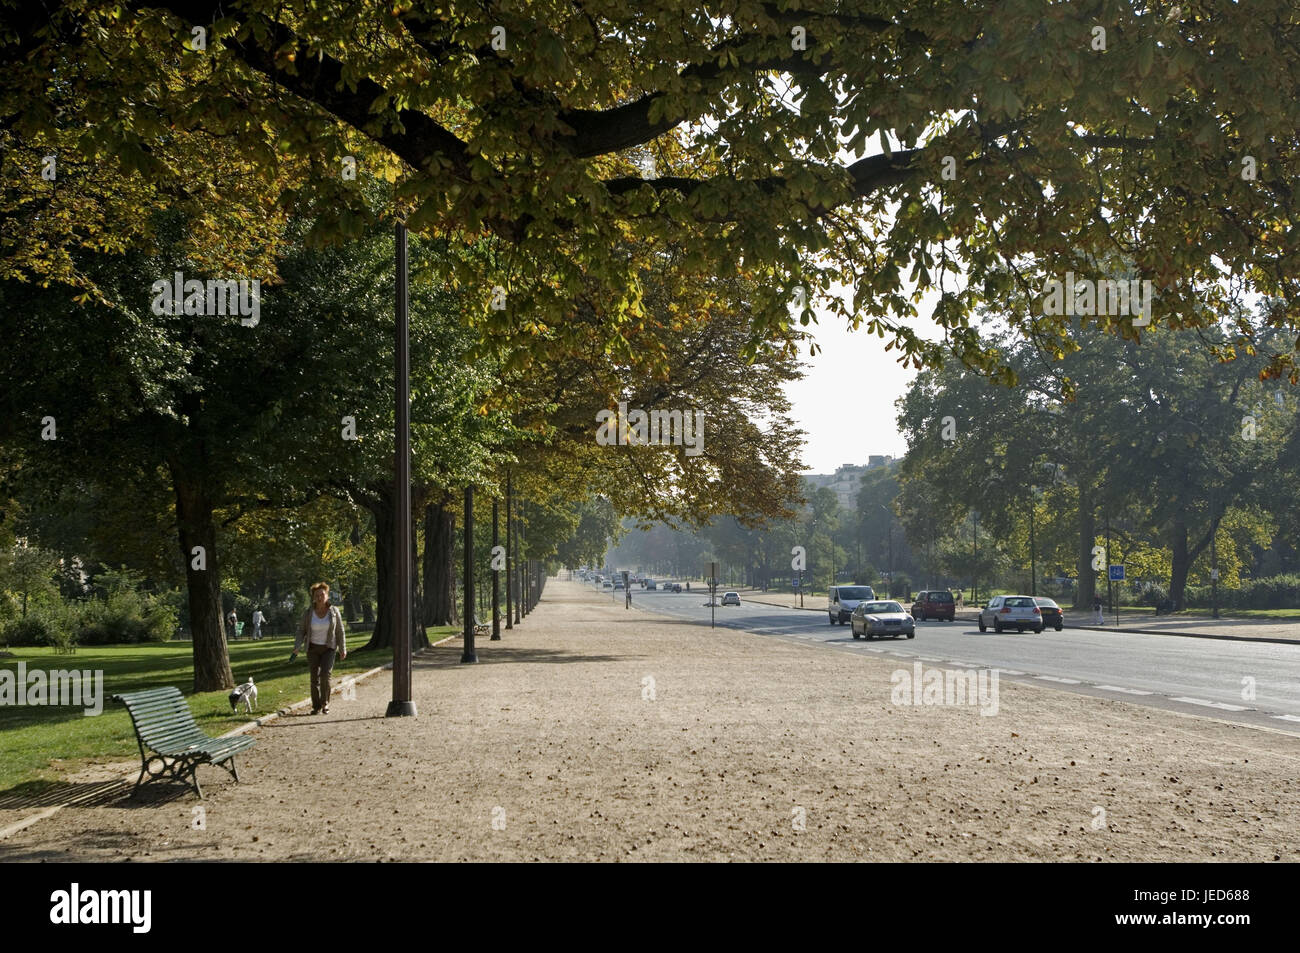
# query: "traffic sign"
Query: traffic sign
1117,572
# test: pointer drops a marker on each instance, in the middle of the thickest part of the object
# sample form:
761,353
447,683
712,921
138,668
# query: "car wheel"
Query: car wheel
983,628
1059,628
911,635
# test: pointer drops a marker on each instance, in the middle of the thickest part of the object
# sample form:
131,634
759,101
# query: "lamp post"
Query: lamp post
889,532
402,704
975,563
1033,567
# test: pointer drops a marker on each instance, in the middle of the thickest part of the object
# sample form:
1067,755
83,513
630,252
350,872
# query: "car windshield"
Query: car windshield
881,607
1020,603
941,597
856,592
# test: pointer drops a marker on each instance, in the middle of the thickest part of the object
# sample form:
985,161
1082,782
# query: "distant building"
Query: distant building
844,482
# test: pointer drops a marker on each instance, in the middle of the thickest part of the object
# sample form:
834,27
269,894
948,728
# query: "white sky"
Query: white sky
845,404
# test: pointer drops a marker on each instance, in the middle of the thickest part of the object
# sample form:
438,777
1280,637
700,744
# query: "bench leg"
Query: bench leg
229,765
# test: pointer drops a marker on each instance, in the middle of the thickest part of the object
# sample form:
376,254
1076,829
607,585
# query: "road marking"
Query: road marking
1288,717
1209,704
1057,678
1126,691
1011,671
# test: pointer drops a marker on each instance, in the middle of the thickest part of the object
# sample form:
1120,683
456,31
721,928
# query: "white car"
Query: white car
731,598
842,600
1011,612
879,619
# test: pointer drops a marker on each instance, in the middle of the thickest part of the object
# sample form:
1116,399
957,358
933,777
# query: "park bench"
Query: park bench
164,725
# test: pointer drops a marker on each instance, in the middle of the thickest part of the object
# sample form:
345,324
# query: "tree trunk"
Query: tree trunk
386,589
197,528
439,599
1087,588
352,602
1182,562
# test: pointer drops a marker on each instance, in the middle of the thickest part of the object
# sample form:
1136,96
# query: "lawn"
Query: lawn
38,743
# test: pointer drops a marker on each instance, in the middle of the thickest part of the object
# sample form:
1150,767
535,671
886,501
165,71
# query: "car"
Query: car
618,584
936,603
651,584
607,585
870,619
1011,612
731,598
677,587
1052,614
842,600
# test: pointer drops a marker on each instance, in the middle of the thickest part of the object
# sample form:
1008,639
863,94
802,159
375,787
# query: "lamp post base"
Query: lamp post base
398,709
470,657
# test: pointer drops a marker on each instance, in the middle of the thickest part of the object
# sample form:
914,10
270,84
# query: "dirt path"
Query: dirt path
555,747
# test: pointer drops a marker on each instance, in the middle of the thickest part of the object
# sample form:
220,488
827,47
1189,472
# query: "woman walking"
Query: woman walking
321,630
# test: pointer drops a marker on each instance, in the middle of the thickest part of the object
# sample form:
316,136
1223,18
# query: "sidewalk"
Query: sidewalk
593,732
1272,630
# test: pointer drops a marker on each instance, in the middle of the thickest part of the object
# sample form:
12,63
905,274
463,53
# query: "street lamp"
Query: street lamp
889,531
1033,566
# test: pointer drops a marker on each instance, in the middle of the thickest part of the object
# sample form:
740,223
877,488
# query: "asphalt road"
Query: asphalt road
1193,675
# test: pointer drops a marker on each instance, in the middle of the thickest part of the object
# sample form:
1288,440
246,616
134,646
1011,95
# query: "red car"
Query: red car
934,604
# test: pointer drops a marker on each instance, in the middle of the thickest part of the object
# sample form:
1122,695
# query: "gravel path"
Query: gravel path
557,746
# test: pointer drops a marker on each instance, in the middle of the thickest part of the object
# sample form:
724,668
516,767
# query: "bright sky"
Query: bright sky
845,404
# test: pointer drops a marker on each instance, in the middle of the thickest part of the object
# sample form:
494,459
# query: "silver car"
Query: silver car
1011,612
872,619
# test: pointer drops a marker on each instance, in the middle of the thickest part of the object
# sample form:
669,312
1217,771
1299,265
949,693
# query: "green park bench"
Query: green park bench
164,725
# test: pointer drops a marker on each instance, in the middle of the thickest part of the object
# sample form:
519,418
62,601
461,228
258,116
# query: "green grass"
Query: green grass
1282,614
39,743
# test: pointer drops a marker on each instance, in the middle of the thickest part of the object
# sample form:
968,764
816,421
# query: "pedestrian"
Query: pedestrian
961,602
258,619
231,619
1099,617
321,631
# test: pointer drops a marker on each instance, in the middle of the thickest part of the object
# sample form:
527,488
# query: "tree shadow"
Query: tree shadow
449,654
115,792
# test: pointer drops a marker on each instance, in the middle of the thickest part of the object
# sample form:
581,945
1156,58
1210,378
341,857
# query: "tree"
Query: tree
1010,135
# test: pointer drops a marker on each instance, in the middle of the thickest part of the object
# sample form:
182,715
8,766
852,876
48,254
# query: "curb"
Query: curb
1193,635
45,812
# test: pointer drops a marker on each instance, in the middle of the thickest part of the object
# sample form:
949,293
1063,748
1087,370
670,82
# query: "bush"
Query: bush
126,616
1270,592
38,628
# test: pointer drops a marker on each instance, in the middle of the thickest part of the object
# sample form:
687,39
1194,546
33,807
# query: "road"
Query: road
1193,675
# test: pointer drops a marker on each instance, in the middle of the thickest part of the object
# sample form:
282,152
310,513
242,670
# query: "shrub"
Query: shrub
126,616
37,629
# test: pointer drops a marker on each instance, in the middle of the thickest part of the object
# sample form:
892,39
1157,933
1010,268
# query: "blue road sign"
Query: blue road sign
1117,572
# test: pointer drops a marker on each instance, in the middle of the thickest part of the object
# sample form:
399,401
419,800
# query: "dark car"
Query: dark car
934,604
677,587
1052,614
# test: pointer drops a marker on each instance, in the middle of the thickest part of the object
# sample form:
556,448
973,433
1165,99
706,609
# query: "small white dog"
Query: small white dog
247,693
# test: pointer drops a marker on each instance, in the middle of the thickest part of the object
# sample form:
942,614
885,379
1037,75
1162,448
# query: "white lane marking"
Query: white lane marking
1209,704
926,658
1288,717
1126,691
1011,671
1057,678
